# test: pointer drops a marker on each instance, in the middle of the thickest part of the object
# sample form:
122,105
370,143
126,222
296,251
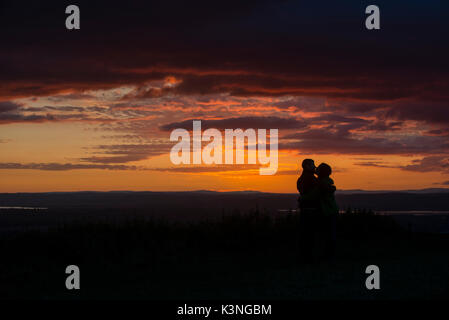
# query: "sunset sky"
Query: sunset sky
92,109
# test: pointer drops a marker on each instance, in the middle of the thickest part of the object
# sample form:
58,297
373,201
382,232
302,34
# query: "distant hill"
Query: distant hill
421,191
206,202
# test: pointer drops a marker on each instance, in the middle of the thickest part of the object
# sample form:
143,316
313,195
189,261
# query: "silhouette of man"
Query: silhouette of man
309,209
307,184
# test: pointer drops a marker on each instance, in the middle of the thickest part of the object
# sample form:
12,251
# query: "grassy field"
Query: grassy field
250,256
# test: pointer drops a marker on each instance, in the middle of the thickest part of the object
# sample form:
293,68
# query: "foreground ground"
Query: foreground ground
240,257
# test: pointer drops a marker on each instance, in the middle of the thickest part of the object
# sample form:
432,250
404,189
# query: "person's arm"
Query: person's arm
327,187
332,186
311,196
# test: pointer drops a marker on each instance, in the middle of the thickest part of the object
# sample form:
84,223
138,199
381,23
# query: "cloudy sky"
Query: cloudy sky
93,109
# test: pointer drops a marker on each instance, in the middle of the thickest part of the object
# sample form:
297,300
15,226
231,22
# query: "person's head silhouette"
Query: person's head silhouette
308,165
324,170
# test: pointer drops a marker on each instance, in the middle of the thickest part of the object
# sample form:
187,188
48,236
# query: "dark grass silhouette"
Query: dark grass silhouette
241,256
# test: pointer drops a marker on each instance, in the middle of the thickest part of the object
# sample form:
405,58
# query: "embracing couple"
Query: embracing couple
318,212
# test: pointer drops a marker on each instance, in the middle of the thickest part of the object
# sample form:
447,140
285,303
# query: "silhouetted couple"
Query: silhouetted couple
318,212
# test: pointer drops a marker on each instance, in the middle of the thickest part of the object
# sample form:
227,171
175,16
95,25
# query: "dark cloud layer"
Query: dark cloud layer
438,163
377,164
249,168
239,122
8,106
428,164
244,48
124,153
374,82
62,166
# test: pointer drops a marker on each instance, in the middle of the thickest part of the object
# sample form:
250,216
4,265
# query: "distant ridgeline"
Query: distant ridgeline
211,201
